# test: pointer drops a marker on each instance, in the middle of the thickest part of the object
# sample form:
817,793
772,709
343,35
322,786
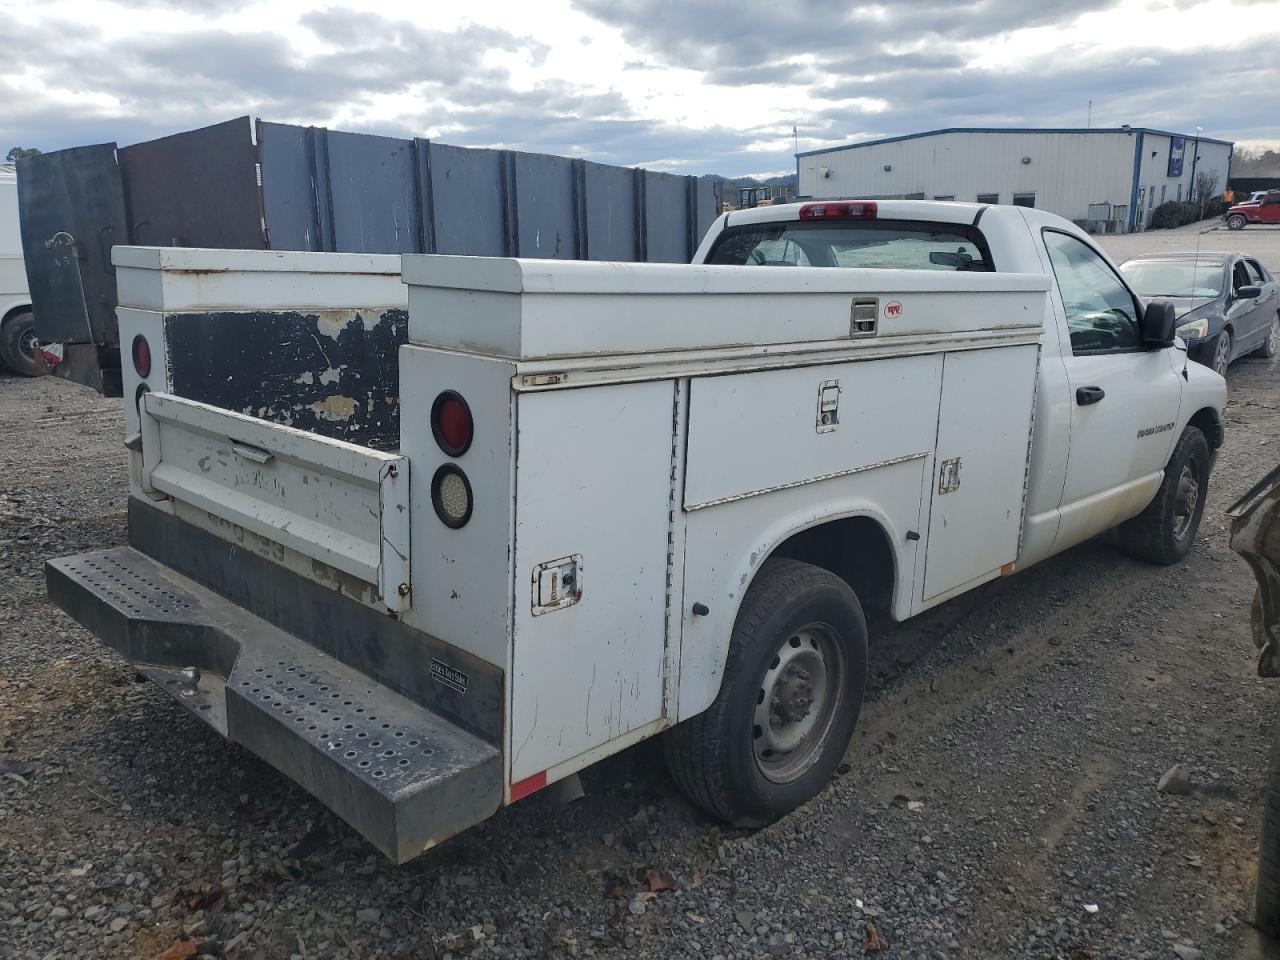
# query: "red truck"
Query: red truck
1266,209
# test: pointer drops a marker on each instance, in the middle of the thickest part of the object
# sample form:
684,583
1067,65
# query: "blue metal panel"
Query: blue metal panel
467,201
194,189
288,186
546,215
373,194
666,218
706,209
610,206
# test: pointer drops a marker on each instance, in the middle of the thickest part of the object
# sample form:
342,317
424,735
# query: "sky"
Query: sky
690,86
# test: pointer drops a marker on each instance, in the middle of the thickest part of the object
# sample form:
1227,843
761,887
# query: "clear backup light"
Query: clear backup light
451,496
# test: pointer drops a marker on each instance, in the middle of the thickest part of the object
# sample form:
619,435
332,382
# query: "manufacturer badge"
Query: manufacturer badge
451,677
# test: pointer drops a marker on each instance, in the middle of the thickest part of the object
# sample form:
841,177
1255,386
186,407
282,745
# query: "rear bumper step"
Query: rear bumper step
401,775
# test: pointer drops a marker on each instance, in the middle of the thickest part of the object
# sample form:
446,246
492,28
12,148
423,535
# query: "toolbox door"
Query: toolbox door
980,469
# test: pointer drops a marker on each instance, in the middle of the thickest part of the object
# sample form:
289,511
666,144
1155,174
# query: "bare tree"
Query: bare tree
1207,184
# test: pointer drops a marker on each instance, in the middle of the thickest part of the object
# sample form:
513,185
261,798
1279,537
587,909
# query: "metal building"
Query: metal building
1106,180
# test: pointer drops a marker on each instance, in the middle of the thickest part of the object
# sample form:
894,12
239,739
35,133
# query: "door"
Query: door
1244,314
1267,305
1269,212
1125,397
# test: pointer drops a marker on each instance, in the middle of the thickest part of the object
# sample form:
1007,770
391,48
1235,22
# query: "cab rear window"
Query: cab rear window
878,244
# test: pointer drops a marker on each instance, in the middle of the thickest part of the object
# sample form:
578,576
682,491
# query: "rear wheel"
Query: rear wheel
19,347
1272,343
1222,353
788,702
1236,221
1164,532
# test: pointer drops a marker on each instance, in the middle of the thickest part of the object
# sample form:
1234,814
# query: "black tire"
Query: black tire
1222,350
1267,897
1164,532
1236,221
717,757
18,349
1271,345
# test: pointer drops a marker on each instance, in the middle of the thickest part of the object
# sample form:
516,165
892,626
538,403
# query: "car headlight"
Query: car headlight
1194,330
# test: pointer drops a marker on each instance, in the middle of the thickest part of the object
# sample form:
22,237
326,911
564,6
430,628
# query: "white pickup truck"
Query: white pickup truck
593,502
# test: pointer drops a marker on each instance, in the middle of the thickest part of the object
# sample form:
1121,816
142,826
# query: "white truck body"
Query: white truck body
644,438
13,275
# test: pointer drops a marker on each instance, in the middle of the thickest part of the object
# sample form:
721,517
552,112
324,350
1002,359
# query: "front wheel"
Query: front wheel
19,347
1164,532
789,699
1236,221
1222,353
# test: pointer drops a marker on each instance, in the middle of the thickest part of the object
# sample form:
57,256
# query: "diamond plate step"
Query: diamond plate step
403,776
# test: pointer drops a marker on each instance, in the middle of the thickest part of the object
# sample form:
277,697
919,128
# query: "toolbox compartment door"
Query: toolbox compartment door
336,503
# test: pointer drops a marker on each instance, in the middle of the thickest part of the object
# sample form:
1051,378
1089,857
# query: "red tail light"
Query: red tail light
142,356
839,210
451,423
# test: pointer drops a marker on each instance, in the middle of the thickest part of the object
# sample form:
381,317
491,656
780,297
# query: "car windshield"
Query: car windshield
1174,278
900,245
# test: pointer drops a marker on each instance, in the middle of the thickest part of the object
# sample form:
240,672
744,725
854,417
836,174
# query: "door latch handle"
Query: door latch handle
1088,395
256,454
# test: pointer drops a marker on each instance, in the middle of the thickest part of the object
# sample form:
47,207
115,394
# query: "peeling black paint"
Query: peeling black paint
334,372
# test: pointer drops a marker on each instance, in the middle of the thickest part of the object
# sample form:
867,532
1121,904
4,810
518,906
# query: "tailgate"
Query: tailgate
343,505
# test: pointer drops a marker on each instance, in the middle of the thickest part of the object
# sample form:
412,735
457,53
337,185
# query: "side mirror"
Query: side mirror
1157,323
1248,293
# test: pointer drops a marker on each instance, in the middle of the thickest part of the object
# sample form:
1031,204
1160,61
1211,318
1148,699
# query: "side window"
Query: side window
1101,314
1255,272
1239,276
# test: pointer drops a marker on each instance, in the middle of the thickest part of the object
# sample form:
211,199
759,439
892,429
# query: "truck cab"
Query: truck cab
445,541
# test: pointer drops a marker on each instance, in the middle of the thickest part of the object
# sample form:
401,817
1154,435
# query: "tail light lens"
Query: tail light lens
451,423
840,210
451,496
142,356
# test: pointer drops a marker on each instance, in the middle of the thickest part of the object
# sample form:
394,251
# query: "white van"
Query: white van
18,346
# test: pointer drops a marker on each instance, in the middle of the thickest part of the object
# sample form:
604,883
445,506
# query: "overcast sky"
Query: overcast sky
694,86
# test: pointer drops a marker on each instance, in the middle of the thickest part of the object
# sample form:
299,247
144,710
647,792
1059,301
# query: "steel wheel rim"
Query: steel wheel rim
1186,499
1273,338
27,344
798,700
1222,354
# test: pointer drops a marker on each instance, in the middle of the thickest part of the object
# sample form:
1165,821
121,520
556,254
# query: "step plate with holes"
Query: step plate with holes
400,774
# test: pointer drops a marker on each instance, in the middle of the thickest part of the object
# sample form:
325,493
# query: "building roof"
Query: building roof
934,133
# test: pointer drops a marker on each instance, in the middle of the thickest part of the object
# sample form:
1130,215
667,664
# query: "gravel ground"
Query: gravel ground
1001,785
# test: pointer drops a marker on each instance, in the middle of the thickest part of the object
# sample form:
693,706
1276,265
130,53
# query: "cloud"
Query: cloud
713,86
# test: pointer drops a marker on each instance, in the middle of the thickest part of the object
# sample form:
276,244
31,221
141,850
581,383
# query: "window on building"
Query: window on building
1163,188
946,196
1179,193
1024,199
1102,315
988,198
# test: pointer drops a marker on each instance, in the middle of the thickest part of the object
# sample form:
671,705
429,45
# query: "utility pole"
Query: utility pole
1088,125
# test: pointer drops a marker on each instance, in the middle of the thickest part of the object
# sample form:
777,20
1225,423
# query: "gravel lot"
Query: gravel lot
1002,783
